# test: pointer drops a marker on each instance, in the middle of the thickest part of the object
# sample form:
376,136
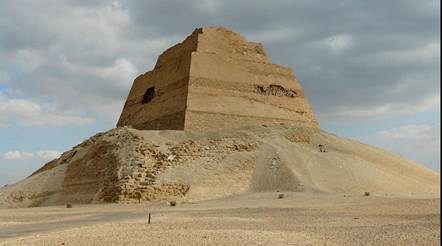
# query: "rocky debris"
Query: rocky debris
120,166
142,183
216,149
322,148
275,90
300,134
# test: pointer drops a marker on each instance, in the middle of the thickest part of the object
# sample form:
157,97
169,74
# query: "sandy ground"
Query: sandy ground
250,219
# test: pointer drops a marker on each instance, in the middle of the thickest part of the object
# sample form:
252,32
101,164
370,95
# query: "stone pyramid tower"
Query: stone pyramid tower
215,79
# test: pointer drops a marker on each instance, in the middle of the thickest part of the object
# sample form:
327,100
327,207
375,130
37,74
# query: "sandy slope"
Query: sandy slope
193,166
45,187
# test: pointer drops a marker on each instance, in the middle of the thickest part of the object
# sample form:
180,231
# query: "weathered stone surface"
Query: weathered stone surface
215,79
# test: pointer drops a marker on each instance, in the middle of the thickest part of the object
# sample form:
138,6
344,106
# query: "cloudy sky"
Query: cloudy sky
369,68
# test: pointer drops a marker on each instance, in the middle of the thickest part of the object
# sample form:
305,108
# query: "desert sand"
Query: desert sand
300,218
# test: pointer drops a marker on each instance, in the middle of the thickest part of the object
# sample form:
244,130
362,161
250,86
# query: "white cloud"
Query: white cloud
409,132
278,34
43,155
29,59
121,73
4,78
29,113
339,42
334,43
208,5
47,154
87,54
419,142
17,155
426,54
413,137
388,109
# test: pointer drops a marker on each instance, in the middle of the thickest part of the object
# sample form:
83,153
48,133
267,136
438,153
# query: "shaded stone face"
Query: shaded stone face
215,79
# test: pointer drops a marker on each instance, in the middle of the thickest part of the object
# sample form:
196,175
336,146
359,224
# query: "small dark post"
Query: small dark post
148,221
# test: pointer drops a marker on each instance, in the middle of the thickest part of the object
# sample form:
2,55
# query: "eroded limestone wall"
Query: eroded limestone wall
215,79
233,83
158,98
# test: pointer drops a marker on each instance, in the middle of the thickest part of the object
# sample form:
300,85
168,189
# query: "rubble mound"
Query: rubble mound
128,165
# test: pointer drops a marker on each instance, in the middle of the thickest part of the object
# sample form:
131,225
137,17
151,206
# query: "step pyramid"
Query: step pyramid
215,79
